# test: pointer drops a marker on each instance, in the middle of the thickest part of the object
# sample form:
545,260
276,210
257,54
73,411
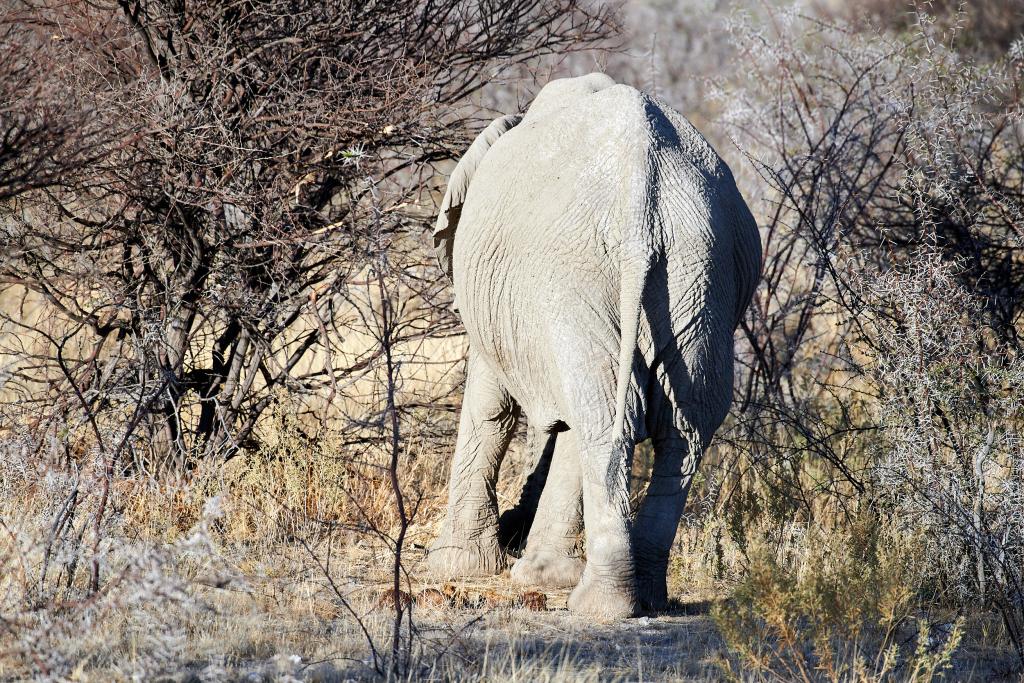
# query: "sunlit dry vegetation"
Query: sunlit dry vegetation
230,368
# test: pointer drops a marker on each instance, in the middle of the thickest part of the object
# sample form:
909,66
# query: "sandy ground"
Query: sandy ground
294,625
480,632
682,645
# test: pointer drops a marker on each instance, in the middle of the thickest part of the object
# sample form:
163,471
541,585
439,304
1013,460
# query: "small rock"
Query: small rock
495,600
459,598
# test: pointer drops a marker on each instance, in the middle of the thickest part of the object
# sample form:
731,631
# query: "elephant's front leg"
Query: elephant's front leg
468,543
552,557
607,589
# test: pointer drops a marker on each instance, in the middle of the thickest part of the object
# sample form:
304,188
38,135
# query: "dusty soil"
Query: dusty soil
481,630
681,645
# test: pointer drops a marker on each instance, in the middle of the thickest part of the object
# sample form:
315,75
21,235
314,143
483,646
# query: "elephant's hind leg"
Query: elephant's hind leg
607,588
552,557
655,528
468,543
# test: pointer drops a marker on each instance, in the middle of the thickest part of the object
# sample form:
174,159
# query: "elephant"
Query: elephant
601,257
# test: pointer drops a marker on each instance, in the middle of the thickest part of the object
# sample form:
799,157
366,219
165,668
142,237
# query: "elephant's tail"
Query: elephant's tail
635,266
641,238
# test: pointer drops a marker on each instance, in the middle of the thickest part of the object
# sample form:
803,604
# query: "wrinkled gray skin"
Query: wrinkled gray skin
602,257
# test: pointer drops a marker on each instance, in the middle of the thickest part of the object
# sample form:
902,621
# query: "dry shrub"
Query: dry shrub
255,181
985,27
948,467
302,484
55,625
836,609
242,567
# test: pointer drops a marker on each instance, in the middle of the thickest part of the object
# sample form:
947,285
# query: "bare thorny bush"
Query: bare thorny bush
215,211
135,624
260,161
880,366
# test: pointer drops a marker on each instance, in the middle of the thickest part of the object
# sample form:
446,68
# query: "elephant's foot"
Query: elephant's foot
451,558
547,569
603,600
652,592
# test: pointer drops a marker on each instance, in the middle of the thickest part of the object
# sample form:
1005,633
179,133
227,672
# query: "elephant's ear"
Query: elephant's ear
458,187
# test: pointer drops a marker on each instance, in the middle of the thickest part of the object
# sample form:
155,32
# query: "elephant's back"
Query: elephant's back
581,171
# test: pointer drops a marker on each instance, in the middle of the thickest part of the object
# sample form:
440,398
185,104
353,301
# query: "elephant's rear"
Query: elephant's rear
728,221
537,260
561,207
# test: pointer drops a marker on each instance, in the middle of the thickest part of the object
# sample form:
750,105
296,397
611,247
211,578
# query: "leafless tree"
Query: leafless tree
186,189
